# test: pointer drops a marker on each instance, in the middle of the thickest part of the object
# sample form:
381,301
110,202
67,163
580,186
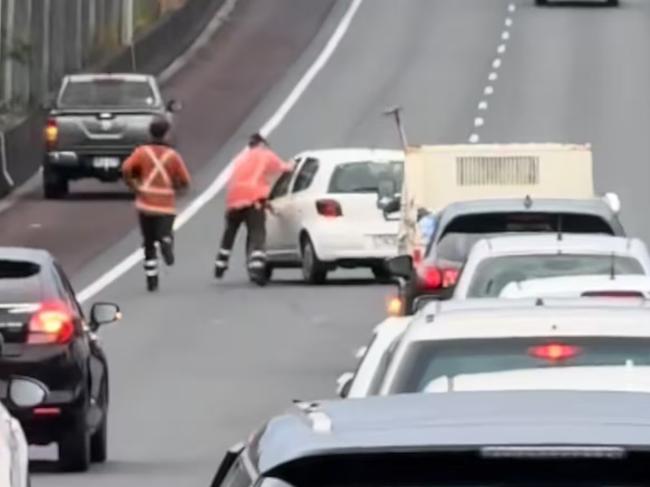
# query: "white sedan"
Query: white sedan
324,213
587,344
496,262
628,286
14,457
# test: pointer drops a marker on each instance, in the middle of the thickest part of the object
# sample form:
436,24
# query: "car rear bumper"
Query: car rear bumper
343,243
49,422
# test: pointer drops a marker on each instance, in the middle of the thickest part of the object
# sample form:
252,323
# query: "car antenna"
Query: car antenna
528,202
559,228
539,302
396,112
612,267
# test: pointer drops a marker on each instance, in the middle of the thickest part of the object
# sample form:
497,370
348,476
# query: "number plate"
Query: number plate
106,163
383,241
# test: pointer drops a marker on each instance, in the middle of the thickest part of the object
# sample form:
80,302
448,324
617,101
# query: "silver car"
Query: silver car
94,125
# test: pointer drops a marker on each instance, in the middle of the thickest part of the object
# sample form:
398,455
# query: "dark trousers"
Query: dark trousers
155,228
254,217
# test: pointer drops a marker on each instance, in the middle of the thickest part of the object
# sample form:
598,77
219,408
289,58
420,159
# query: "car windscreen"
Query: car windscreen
19,281
364,177
108,93
427,362
455,240
459,467
493,274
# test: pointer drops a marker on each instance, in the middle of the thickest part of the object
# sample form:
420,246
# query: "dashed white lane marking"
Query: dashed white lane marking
493,76
217,185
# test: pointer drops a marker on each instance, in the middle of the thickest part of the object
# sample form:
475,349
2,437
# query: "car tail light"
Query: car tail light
394,307
329,208
554,352
51,324
613,294
51,133
47,411
432,277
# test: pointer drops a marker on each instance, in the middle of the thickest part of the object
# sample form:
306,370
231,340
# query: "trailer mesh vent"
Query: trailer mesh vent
497,171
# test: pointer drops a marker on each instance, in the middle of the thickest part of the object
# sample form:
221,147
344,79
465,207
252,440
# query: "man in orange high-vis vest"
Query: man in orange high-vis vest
246,200
156,172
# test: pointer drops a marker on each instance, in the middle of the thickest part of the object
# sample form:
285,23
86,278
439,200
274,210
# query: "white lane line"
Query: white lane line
474,139
483,105
489,90
512,8
493,76
479,122
505,35
501,49
509,22
217,185
496,64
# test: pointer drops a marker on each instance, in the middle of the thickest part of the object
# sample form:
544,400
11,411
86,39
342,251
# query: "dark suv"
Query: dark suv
45,335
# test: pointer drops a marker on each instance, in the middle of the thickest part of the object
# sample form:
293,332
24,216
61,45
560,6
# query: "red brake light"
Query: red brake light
51,324
329,208
554,352
431,278
449,277
51,133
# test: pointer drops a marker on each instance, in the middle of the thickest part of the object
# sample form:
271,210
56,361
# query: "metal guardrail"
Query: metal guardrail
42,40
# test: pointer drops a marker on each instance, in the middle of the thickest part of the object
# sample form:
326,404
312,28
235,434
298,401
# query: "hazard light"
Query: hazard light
554,352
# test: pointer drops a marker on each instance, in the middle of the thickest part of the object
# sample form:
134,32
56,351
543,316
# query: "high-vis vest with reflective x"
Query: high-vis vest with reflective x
158,170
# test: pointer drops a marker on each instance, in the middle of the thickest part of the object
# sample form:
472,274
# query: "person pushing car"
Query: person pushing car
246,202
156,172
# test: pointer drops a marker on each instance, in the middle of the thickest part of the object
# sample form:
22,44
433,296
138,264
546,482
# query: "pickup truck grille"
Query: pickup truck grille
497,171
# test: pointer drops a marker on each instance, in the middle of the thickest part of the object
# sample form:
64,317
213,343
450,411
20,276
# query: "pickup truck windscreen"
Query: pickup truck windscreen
108,94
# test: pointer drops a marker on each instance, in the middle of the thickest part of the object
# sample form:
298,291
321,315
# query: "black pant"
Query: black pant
154,229
255,219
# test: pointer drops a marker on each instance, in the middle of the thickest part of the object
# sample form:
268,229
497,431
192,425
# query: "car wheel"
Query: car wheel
74,448
613,3
313,270
539,3
381,273
99,439
55,186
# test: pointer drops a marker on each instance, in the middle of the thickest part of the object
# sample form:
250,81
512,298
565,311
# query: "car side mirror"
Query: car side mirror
226,464
174,106
103,314
400,266
344,384
25,393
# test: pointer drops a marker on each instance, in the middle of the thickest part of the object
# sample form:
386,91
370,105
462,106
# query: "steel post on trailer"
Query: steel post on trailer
396,113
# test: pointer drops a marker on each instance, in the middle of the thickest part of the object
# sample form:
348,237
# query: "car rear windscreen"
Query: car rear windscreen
364,177
430,363
468,469
456,240
108,93
493,274
19,281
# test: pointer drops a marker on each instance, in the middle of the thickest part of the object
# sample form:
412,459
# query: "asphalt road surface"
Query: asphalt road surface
199,365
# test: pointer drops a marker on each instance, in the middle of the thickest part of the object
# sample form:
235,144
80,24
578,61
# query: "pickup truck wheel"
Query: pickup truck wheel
55,186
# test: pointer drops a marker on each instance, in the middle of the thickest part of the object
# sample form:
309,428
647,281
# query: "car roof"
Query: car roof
37,256
499,318
417,422
567,284
87,77
339,156
551,243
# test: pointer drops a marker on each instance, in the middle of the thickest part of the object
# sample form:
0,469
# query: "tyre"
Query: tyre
613,3
313,270
55,185
99,439
540,3
74,448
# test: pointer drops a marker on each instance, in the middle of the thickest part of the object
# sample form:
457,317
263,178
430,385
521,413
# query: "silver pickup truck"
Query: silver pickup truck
94,125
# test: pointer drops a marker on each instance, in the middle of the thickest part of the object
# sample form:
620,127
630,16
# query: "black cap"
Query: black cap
159,128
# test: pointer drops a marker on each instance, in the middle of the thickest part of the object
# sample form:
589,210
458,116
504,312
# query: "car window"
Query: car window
108,93
281,186
428,361
493,274
20,281
454,241
305,175
238,476
364,177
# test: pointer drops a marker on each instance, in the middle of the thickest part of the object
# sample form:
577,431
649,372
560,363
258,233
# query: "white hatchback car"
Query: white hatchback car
496,262
14,454
587,344
325,215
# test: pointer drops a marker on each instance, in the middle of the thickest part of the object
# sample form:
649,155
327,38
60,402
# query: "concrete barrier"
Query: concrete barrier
154,50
